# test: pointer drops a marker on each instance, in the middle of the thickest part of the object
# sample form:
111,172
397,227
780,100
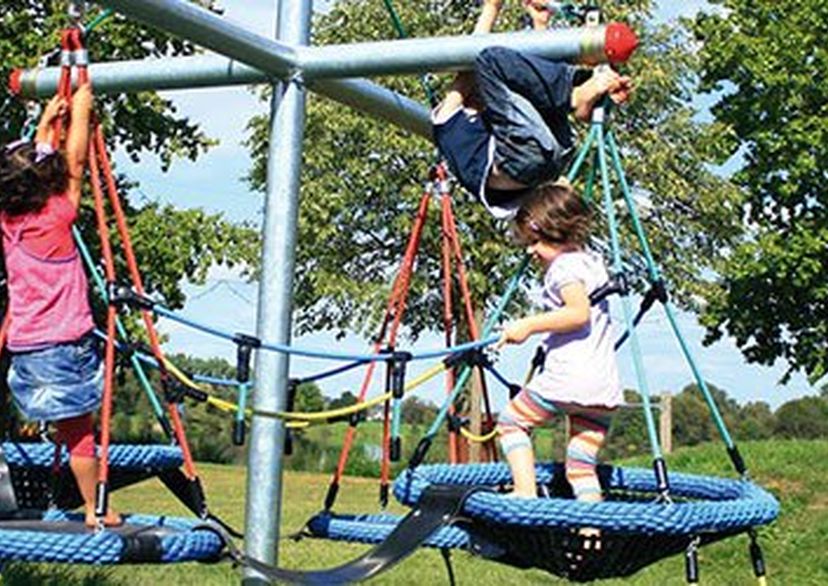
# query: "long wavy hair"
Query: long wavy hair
28,178
554,213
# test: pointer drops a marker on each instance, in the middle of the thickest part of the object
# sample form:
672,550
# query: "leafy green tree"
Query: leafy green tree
362,179
346,399
628,432
767,58
805,418
309,398
756,422
171,245
692,421
416,411
209,430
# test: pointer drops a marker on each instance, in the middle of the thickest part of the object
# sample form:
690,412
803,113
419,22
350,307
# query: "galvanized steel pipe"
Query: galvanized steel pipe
215,71
190,21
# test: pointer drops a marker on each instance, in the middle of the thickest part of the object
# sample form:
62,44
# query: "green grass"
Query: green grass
795,546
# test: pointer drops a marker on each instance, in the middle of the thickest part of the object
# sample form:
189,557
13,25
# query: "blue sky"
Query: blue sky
214,184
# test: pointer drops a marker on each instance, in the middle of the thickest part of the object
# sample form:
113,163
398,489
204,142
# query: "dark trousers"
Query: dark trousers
527,100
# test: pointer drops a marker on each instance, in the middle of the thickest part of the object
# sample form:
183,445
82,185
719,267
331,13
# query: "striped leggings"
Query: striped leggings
587,433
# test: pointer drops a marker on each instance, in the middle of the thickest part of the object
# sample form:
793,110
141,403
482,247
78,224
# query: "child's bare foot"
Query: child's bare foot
604,80
111,519
520,495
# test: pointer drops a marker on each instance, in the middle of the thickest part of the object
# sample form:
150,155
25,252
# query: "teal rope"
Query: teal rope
244,389
625,301
402,33
589,188
655,275
100,286
465,373
582,154
93,24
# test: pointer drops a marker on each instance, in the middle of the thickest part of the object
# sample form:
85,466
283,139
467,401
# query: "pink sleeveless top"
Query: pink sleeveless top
48,290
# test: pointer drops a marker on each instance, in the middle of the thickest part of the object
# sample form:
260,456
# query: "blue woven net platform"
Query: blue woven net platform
36,486
59,537
34,528
634,529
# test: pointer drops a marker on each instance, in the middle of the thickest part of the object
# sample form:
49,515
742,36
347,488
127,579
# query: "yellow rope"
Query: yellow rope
298,419
478,438
172,368
357,407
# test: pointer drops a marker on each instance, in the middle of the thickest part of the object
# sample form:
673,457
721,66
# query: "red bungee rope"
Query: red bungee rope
393,314
100,165
450,230
448,312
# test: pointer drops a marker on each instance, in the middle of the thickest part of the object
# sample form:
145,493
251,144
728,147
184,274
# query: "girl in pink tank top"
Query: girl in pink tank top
56,372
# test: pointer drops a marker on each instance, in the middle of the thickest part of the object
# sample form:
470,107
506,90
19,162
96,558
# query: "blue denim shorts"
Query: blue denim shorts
58,382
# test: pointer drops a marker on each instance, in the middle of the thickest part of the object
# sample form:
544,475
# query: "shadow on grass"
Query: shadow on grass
18,574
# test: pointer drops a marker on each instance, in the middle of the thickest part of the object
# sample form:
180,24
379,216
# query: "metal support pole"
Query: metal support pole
599,44
190,21
264,469
216,71
456,53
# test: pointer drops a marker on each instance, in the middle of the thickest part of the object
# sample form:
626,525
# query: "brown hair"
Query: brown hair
28,180
554,213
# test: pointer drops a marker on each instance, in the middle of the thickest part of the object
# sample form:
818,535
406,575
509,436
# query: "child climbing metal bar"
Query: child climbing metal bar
504,129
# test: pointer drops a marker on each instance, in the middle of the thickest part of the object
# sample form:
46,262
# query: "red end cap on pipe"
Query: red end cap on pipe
620,42
15,82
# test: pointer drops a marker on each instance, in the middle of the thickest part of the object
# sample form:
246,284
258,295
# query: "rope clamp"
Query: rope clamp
119,294
66,58
659,289
80,57
244,347
46,58
473,357
395,380
456,423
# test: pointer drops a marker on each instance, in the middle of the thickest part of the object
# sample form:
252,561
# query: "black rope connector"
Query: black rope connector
617,284
292,389
123,361
756,557
514,390
456,423
656,292
122,295
245,344
691,561
330,497
662,483
539,359
473,357
659,289
175,391
101,499
395,378
395,449
383,495
199,500
240,431
420,453
738,462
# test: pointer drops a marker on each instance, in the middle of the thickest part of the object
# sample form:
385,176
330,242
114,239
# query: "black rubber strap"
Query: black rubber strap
438,507
8,502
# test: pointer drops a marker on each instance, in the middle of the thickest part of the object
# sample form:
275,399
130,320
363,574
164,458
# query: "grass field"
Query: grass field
795,547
